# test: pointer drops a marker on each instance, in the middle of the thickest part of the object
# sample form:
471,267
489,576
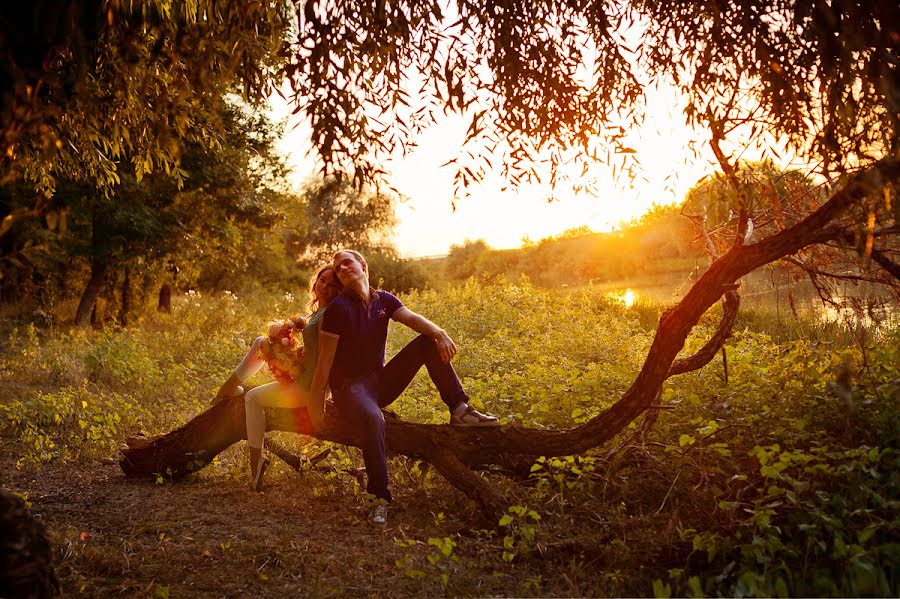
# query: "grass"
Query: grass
772,484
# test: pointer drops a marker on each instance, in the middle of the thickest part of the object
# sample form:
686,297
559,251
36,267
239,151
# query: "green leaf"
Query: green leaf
781,588
867,533
505,520
695,589
160,591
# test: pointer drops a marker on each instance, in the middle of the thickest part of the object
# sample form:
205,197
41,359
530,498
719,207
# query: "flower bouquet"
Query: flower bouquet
284,351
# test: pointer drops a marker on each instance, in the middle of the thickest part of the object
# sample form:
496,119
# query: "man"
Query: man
356,325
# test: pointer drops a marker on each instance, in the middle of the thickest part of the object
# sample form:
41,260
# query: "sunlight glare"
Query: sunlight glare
627,298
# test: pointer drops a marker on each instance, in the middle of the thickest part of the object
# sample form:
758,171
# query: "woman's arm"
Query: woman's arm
445,345
249,366
253,361
325,359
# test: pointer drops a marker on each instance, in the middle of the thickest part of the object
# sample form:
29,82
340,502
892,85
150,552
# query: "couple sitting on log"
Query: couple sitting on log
343,348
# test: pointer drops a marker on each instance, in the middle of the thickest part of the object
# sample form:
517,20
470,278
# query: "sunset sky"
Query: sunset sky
428,225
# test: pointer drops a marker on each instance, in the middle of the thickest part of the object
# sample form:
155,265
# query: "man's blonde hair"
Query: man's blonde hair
354,253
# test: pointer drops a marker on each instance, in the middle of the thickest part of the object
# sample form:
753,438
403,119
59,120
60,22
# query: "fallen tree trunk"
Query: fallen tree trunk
455,451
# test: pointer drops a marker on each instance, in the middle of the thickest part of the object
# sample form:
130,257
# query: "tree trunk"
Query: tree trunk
127,298
91,291
165,299
454,451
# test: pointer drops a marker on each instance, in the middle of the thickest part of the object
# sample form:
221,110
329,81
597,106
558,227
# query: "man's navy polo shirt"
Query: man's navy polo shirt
363,334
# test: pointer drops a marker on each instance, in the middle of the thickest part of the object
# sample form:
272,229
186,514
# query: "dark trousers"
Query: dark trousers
360,401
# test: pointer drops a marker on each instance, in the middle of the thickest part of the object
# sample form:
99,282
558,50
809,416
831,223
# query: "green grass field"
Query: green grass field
782,482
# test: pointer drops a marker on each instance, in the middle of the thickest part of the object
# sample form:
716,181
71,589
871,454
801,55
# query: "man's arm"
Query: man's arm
445,346
328,343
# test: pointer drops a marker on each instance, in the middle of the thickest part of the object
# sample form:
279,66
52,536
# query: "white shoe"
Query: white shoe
378,513
472,417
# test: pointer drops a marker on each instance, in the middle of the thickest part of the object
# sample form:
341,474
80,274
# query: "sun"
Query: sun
669,164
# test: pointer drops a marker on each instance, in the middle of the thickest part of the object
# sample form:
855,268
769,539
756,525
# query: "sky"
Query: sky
429,225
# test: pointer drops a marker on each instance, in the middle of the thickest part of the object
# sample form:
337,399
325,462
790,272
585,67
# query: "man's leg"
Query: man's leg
399,372
358,403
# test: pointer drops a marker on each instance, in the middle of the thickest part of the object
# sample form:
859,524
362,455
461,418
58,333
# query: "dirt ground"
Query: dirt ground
304,535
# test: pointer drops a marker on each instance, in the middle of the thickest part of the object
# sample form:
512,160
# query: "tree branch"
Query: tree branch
822,273
460,476
886,263
744,224
706,353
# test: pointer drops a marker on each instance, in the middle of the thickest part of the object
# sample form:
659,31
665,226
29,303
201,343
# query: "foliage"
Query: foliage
661,241
465,260
561,81
774,198
389,271
416,59
817,74
148,232
340,216
95,90
440,561
519,522
773,484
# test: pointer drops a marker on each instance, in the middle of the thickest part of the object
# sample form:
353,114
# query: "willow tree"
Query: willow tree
557,82
94,89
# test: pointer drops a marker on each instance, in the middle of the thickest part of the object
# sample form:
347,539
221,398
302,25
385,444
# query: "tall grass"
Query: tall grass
784,480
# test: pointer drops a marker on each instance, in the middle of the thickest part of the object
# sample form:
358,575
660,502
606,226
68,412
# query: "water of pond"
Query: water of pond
857,304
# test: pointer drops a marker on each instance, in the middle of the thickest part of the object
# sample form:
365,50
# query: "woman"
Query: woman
307,390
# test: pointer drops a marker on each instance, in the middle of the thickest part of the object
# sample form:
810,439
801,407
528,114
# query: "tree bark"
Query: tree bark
91,291
165,299
127,298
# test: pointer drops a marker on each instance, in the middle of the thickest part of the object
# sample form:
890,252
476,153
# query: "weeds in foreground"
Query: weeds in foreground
784,481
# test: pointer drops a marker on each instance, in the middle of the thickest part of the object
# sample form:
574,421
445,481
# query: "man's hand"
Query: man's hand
445,347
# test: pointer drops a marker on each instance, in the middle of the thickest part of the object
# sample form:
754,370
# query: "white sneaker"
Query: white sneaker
378,513
472,417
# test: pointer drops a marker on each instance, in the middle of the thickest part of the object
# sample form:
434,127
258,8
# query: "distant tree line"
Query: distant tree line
667,238
661,240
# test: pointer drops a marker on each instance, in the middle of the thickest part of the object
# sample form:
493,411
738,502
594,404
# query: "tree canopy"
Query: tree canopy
339,216
89,85
94,89
557,80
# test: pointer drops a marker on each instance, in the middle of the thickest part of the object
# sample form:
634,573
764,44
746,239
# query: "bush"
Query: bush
784,481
